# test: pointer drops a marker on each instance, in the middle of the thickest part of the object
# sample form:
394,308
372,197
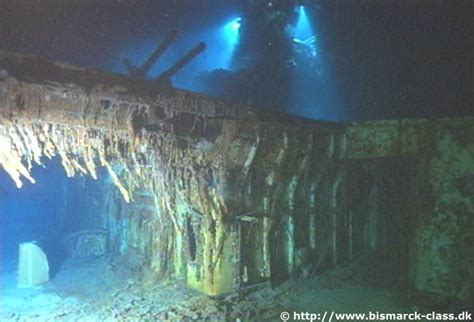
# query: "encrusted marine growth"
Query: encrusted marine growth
226,197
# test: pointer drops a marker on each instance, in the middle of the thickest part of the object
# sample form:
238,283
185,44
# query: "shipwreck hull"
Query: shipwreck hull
226,197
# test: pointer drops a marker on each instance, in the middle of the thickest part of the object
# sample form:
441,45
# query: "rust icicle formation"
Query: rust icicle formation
80,149
242,184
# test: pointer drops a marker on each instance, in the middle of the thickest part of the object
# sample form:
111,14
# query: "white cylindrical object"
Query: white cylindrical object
33,267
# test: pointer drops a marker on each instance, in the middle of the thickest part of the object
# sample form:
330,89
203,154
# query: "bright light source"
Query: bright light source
303,28
231,30
230,38
235,25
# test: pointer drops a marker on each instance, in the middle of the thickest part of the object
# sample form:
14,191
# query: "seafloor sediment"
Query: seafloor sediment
102,290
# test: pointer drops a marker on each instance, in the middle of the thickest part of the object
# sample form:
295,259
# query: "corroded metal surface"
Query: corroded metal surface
203,161
296,195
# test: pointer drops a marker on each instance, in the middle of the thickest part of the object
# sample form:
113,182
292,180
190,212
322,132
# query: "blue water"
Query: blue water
44,212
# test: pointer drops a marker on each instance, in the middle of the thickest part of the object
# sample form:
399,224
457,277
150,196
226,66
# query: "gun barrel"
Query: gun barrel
170,38
183,61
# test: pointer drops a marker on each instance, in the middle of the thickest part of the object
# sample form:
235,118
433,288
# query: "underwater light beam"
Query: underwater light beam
231,31
303,28
230,36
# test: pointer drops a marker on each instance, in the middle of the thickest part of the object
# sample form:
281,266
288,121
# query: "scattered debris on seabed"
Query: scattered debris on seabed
102,290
